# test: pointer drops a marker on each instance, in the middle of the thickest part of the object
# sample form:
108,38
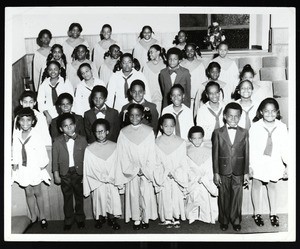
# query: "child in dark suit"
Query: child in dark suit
137,92
64,103
230,152
175,74
67,167
100,110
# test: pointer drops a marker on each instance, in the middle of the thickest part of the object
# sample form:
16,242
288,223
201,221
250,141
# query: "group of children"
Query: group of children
164,131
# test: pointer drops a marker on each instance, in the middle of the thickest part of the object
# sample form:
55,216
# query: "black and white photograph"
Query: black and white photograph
150,124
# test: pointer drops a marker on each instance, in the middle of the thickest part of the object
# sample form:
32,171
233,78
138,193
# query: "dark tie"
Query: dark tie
24,155
217,125
67,138
177,127
54,96
269,145
248,122
102,110
172,71
233,128
126,85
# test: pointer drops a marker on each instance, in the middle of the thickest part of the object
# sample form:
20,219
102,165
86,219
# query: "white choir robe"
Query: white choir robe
106,69
39,65
140,51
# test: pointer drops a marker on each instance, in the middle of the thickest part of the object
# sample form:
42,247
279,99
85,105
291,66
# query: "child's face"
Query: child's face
101,133
115,53
53,71
223,50
126,64
248,76
181,37
27,102
173,60
214,73
177,97
213,94
232,117
137,93
135,116
106,32
99,99
269,113
57,53
190,52
246,90
168,127
65,106
153,54
68,127
81,53
147,34
86,73
26,122
196,139
75,32
45,39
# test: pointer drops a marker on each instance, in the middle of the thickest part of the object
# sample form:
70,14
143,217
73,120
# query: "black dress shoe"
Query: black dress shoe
145,225
102,219
44,224
237,227
81,224
274,220
136,227
223,227
109,222
115,224
258,220
67,227
98,224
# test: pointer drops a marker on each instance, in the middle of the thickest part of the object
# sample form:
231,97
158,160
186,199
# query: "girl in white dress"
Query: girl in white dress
157,62
57,54
40,56
180,39
170,174
30,159
73,41
98,176
135,166
140,51
102,46
268,143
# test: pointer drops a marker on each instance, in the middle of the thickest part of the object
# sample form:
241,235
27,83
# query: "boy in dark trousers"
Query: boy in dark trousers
230,152
67,167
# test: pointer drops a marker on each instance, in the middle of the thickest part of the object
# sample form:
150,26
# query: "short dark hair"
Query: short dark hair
28,112
195,129
61,118
137,83
28,93
40,35
166,116
100,121
62,96
101,89
176,51
178,86
137,106
232,105
75,24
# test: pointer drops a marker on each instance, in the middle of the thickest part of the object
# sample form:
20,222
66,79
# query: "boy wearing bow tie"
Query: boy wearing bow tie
67,167
174,74
230,152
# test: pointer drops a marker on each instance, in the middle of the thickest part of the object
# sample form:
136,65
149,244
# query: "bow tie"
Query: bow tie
67,138
234,128
173,71
103,111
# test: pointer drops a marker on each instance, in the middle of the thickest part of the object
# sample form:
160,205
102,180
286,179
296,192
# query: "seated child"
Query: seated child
98,176
201,202
100,110
67,168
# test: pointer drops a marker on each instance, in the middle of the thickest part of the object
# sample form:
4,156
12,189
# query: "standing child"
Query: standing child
170,174
98,176
140,51
268,153
182,114
195,67
40,56
137,92
110,59
65,103
151,71
201,202
175,74
28,169
84,88
54,84
230,152
209,115
243,96
101,47
230,71
135,165
57,54
180,39
100,110
73,41
81,55
67,167
126,70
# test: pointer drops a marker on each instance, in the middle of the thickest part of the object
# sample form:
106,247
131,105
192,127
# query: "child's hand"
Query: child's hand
246,181
57,179
15,167
217,180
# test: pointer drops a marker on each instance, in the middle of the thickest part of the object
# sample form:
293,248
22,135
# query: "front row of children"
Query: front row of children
162,177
